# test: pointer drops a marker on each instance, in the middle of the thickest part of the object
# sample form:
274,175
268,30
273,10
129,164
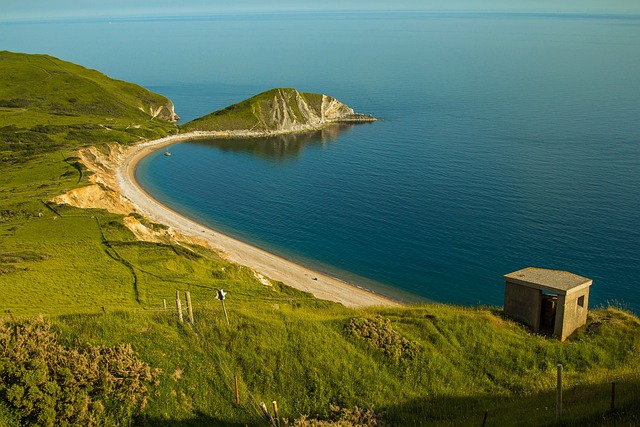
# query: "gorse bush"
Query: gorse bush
379,333
48,384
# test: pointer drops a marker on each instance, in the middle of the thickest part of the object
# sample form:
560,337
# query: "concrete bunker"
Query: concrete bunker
553,302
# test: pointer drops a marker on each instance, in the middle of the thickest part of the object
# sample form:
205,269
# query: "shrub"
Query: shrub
379,333
14,103
47,384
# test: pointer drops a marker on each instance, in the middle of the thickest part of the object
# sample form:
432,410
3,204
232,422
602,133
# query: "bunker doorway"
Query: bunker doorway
548,313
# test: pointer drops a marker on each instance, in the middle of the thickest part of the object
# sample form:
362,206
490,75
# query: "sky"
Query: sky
65,9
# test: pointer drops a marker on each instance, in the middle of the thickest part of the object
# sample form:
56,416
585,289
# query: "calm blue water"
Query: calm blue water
507,140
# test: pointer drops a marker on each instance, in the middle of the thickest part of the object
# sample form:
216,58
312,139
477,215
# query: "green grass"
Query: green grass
238,116
47,104
434,365
73,269
59,88
300,355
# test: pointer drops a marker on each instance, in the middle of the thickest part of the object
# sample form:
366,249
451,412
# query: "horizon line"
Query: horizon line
167,16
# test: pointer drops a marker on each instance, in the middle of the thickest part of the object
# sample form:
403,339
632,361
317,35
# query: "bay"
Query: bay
507,140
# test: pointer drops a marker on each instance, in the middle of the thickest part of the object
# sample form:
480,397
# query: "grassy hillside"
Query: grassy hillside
47,104
100,288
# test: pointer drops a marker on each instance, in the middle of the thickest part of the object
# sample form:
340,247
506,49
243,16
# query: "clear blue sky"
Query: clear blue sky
51,9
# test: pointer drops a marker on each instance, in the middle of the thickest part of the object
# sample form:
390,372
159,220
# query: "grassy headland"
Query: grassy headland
277,111
100,287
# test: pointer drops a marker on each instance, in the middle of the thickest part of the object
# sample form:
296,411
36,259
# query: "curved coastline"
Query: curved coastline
274,267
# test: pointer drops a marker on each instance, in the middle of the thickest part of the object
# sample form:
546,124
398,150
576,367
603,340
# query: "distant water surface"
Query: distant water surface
507,141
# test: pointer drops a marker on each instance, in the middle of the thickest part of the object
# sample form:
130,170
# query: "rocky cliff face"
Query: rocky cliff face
289,110
164,112
105,193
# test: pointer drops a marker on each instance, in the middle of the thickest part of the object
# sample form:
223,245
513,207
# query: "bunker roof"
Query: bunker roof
556,281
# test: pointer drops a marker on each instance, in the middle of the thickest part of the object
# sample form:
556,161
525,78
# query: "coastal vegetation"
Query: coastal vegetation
85,337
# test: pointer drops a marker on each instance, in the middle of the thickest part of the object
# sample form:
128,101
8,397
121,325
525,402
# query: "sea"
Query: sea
505,140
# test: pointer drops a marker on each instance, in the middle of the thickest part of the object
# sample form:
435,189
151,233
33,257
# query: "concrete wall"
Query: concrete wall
524,304
575,315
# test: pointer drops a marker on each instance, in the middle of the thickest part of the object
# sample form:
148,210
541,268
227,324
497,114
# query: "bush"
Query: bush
47,384
379,333
14,103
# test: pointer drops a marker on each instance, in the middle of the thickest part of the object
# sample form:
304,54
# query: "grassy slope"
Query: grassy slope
298,353
49,108
282,344
47,104
247,114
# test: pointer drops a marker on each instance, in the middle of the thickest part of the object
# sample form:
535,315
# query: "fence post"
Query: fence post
225,313
164,303
559,395
221,295
267,415
275,413
613,396
187,296
178,305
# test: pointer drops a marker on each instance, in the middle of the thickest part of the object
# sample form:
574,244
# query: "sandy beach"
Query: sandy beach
267,264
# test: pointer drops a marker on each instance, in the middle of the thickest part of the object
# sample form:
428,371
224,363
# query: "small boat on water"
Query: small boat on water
167,153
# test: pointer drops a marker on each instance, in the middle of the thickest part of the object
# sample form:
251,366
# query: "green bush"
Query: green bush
14,103
379,333
45,383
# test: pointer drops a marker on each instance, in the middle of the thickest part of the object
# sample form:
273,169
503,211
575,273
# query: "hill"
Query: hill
278,111
47,103
85,338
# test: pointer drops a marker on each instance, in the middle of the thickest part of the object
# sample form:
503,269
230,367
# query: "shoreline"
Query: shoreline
274,267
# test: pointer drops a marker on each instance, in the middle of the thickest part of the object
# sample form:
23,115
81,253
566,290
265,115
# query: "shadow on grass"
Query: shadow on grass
582,405
200,420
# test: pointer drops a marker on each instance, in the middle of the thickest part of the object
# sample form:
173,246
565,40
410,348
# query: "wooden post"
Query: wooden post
237,391
559,395
275,413
267,415
178,305
187,296
221,295
613,396
164,303
225,312
484,420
